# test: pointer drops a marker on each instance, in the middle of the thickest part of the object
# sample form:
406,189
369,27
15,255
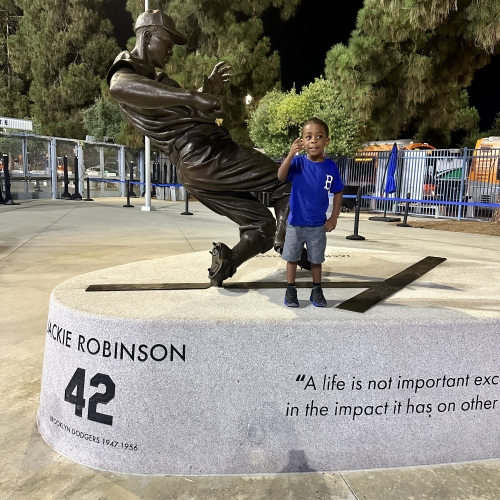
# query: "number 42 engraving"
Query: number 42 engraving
77,384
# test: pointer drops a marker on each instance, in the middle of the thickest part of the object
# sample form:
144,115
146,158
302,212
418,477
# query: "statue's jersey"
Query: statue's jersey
163,125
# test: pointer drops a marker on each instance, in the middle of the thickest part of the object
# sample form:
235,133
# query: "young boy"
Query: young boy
312,177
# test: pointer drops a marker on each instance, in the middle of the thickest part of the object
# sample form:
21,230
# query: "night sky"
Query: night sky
304,40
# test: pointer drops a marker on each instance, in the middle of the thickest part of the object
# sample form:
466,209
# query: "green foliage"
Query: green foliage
130,136
277,120
264,132
62,49
408,62
230,31
495,128
471,139
103,118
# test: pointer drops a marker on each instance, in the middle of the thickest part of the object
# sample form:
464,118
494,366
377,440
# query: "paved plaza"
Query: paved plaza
45,242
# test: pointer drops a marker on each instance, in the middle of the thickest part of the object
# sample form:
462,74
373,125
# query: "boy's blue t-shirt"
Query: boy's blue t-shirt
311,183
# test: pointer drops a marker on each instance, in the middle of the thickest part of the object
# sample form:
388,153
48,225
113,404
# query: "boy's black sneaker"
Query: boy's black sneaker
317,297
291,297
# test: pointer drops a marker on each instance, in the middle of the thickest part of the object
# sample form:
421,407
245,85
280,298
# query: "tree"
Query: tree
102,119
64,49
471,139
229,30
408,62
13,99
278,119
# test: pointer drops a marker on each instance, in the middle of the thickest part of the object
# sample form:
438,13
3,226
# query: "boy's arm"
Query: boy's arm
331,223
285,166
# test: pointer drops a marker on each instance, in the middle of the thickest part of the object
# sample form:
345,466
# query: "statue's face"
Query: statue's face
159,47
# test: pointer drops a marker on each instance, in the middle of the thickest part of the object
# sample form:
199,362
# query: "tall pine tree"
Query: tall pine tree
13,99
229,30
408,62
64,48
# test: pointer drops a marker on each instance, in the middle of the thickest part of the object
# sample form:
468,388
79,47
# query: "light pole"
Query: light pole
147,160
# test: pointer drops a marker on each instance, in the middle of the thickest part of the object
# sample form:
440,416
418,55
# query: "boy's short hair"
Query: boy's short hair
317,121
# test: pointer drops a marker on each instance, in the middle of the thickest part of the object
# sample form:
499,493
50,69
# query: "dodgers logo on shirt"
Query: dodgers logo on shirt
328,183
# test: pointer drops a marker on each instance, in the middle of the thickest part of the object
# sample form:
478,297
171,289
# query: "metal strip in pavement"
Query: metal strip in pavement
385,289
377,291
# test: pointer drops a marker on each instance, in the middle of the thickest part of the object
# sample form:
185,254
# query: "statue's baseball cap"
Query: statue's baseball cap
158,18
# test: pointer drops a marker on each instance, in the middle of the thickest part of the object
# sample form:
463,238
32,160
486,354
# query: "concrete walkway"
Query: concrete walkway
44,242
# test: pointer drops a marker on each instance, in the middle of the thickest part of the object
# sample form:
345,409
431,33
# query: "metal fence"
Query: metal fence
36,165
452,183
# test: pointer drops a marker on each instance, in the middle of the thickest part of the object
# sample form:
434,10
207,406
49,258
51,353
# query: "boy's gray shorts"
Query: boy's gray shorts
297,236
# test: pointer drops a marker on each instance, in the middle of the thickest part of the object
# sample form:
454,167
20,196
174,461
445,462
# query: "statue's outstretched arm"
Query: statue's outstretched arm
219,77
130,88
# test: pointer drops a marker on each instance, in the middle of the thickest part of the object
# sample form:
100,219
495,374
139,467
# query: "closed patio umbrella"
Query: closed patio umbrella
390,183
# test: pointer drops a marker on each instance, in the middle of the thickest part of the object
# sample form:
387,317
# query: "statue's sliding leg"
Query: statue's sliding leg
281,209
257,230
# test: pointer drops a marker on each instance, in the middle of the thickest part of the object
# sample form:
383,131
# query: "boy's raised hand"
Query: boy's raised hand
297,146
285,166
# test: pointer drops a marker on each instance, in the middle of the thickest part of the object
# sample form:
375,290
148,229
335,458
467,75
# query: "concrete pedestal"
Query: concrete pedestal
221,381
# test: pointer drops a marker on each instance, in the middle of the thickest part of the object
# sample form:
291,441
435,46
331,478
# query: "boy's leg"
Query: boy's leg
316,246
282,209
316,273
294,244
291,291
291,272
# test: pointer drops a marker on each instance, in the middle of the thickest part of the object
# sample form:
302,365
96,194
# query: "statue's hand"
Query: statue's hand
219,77
220,111
210,103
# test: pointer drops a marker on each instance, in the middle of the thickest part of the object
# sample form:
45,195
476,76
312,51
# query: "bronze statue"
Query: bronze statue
218,172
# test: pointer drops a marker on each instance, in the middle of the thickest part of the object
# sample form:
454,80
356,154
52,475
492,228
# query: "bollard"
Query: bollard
1,197
156,173
131,190
405,218
356,236
128,205
76,195
88,191
153,180
65,195
8,198
186,210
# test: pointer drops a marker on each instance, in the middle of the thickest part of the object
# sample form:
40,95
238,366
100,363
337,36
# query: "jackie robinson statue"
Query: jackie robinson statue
217,171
